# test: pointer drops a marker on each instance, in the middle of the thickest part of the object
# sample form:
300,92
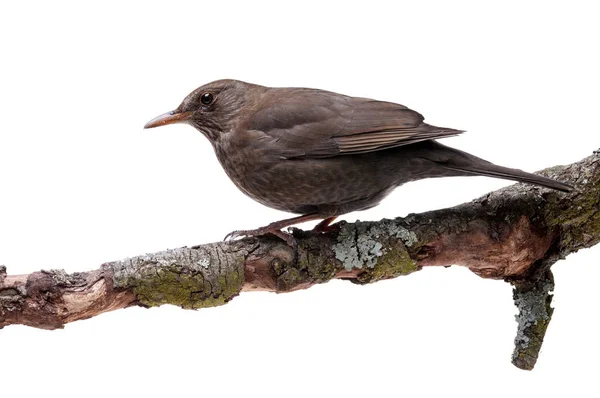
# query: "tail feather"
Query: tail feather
506,173
466,164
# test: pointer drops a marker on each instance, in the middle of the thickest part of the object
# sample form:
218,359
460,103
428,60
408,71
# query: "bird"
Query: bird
321,154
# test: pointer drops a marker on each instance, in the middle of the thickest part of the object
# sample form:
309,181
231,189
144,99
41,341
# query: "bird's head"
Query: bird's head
212,108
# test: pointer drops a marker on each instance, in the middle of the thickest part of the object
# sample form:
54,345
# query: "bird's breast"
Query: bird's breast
330,186
247,167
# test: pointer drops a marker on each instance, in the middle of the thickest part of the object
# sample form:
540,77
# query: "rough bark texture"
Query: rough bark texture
514,234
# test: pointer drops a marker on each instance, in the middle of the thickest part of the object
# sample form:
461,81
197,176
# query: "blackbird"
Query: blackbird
322,154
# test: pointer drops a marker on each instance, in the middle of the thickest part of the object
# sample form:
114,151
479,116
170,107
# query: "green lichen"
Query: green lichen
190,278
379,249
289,279
176,286
408,237
314,258
319,267
394,262
577,216
346,250
526,357
312,263
533,298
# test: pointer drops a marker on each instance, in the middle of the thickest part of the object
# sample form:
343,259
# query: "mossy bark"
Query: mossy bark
191,278
533,298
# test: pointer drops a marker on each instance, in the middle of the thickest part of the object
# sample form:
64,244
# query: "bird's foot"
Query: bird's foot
275,228
326,226
288,238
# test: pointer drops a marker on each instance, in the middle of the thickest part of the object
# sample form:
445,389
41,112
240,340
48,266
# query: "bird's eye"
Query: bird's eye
207,98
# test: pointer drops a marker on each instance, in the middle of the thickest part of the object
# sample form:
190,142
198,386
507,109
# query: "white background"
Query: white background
82,183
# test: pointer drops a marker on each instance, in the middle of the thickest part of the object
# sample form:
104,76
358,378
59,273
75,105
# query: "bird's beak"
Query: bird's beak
168,118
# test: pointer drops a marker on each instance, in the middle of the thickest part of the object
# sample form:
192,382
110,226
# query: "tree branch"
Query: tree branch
514,234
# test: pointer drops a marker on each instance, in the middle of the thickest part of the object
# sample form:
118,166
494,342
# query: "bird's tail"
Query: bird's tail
467,164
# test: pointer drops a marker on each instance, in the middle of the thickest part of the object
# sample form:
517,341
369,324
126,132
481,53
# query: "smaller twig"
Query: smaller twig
533,298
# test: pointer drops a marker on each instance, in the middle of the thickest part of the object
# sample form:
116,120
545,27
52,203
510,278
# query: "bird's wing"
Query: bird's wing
313,123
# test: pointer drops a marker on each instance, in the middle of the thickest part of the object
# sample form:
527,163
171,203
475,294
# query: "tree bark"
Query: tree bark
513,234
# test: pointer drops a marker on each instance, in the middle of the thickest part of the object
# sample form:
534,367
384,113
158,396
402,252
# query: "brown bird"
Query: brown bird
322,154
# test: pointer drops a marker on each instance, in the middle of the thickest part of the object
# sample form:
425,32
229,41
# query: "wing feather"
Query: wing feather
316,123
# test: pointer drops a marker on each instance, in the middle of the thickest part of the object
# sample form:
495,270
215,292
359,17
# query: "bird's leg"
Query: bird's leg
325,225
275,228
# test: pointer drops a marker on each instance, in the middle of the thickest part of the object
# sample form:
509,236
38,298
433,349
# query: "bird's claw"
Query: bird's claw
288,238
234,235
242,233
329,228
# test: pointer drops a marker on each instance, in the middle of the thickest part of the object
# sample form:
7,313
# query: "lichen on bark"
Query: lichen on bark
190,278
533,298
578,216
379,249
